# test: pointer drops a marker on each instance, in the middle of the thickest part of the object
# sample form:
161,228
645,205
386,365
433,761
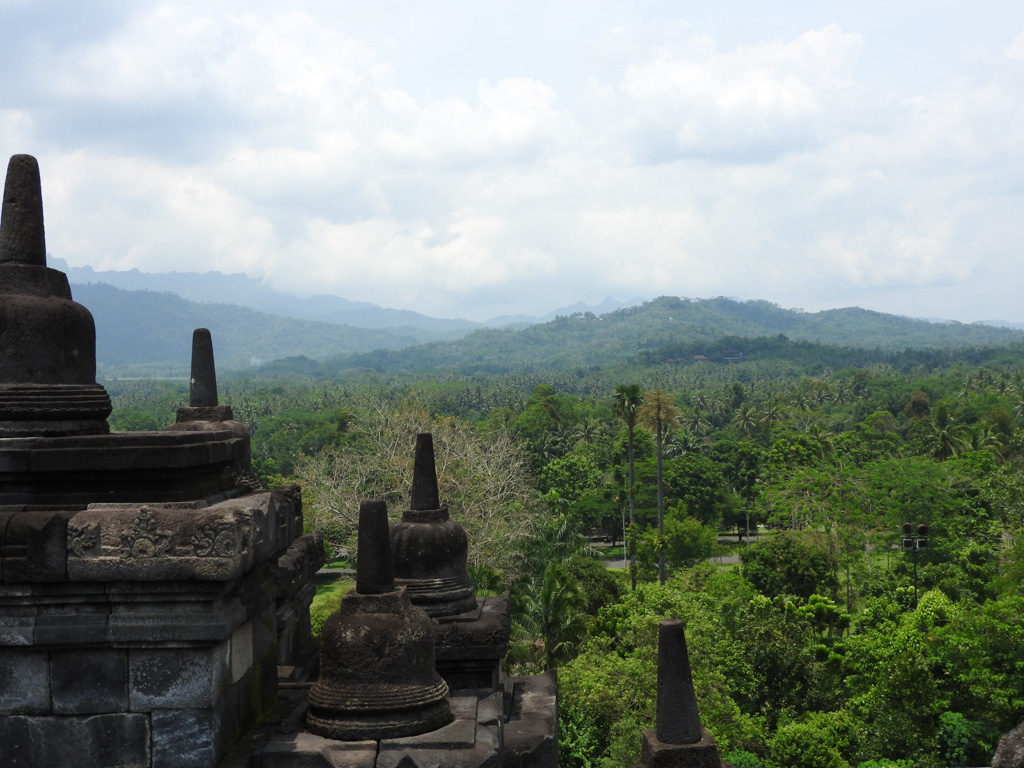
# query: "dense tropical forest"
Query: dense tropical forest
756,488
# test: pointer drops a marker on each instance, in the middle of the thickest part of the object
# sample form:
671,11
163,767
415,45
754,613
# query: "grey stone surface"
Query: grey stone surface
424,495
47,341
307,750
88,682
35,547
17,626
24,683
22,238
678,721
99,741
375,573
241,651
184,738
377,673
70,628
531,733
429,548
658,754
155,543
460,733
203,384
469,652
1010,752
178,678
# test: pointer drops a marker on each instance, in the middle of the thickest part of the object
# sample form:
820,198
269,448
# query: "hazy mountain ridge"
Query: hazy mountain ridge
148,327
243,291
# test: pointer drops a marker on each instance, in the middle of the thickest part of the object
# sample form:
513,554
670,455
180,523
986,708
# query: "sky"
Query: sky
480,158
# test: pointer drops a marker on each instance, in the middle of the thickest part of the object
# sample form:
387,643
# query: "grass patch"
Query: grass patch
327,599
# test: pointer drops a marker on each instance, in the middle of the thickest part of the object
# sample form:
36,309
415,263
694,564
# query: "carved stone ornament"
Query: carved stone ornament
226,538
143,540
81,539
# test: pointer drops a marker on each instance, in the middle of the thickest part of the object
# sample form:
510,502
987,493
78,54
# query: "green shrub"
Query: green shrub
740,758
799,745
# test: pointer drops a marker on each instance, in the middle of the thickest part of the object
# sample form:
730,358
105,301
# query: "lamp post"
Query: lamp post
915,538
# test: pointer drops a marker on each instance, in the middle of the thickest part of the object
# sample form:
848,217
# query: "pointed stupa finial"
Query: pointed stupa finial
21,221
424,475
203,390
375,574
678,718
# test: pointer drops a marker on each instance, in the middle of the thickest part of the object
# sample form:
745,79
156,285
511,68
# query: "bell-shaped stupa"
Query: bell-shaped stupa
47,341
429,547
377,675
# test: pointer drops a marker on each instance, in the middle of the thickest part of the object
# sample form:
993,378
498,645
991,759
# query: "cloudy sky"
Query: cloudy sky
485,157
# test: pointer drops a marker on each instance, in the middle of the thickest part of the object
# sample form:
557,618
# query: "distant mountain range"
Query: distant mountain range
145,321
244,291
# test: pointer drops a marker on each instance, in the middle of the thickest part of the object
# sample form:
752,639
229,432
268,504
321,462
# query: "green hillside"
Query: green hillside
671,328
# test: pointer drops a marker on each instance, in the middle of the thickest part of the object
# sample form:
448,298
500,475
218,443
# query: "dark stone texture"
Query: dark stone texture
34,548
24,684
47,341
424,475
1010,753
22,239
203,389
374,570
177,678
531,733
377,676
307,750
88,625
429,549
139,467
121,740
184,738
657,754
470,647
89,682
678,720
158,543
215,413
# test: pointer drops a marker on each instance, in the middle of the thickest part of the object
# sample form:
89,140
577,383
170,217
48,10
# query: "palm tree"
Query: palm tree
822,439
695,423
626,403
660,415
771,412
587,431
549,619
950,437
746,419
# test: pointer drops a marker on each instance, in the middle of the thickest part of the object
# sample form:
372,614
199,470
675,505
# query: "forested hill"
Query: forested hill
150,333
671,328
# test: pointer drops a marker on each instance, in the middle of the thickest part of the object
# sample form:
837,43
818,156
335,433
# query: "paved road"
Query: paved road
620,565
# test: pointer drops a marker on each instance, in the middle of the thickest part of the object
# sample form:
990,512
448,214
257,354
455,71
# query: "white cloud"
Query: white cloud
753,101
1016,49
298,146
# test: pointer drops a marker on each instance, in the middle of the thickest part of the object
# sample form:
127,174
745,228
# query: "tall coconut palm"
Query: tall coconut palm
746,419
660,415
950,437
549,619
626,403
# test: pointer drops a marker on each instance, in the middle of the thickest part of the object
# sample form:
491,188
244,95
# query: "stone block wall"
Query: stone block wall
156,642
